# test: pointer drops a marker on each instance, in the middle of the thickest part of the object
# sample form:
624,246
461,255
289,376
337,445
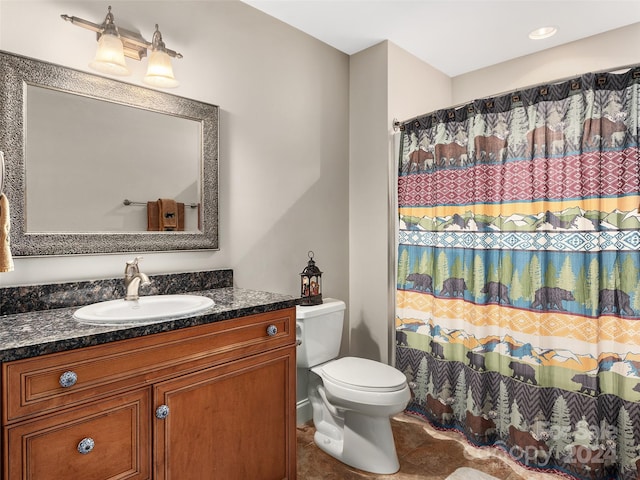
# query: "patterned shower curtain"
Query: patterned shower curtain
518,292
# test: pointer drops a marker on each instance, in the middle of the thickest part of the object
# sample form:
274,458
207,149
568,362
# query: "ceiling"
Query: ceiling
454,36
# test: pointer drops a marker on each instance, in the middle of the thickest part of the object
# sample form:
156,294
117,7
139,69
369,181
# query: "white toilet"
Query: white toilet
352,398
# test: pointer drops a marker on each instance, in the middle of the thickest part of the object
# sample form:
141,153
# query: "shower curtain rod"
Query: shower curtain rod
398,125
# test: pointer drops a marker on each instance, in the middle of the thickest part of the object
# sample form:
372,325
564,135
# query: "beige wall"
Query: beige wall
415,88
382,87
368,217
406,101
283,135
606,51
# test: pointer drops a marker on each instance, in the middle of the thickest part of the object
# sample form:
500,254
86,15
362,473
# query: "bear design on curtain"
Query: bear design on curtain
518,292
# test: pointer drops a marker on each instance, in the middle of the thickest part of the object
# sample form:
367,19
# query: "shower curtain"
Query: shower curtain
518,292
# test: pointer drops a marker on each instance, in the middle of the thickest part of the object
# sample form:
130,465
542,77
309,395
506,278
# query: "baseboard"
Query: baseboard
304,413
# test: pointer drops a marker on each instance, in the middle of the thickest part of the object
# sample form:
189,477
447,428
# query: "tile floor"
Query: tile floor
424,453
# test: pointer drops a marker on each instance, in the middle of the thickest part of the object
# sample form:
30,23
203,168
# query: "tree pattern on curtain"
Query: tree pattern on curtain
518,294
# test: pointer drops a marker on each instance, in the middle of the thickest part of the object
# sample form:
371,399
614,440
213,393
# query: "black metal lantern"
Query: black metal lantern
311,284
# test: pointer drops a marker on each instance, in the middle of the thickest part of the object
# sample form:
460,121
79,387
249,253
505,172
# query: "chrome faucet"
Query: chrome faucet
133,278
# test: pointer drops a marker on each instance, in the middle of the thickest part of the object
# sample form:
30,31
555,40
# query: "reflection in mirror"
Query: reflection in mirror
78,145
111,152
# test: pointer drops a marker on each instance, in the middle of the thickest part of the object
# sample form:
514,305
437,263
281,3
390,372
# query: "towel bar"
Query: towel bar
129,202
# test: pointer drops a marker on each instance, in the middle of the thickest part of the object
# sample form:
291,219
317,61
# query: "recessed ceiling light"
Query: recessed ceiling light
542,32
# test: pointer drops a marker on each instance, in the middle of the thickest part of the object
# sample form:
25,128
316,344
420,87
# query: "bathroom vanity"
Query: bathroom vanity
209,396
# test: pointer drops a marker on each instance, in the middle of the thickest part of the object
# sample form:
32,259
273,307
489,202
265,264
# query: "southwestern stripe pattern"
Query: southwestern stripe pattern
518,294
592,174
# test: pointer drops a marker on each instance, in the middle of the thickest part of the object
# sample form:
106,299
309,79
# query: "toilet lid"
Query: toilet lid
363,374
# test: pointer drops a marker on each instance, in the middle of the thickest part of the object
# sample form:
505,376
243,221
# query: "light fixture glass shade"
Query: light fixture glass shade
110,56
160,71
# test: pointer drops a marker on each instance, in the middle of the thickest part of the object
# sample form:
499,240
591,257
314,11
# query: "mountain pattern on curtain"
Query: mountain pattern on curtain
518,281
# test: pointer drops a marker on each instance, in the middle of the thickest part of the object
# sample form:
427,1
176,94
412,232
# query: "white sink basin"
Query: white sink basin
144,310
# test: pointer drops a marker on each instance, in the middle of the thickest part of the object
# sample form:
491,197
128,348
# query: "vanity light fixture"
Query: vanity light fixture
110,53
159,70
115,43
543,32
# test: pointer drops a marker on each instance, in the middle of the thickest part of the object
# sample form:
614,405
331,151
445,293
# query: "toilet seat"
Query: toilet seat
363,375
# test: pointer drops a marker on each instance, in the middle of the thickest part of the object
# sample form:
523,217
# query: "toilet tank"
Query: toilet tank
319,328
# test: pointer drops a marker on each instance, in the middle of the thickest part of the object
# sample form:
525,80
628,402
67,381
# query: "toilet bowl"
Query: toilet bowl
352,398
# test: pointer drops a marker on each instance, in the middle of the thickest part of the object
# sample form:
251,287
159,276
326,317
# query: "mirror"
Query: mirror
134,153
84,154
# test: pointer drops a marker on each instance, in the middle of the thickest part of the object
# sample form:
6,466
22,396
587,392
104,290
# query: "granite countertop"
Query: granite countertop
30,334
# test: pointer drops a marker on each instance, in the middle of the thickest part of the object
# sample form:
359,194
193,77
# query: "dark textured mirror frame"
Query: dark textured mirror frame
16,72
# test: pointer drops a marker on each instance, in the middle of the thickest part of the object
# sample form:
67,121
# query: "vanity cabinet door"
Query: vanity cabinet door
231,422
104,440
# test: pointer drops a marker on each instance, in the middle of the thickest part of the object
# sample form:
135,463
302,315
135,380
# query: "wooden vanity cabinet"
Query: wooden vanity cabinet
246,414
113,434
214,401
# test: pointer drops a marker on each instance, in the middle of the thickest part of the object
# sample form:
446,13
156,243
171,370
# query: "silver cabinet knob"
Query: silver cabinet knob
162,412
68,379
86,445
272,330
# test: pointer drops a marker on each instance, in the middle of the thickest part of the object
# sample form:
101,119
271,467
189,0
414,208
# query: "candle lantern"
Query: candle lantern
310,283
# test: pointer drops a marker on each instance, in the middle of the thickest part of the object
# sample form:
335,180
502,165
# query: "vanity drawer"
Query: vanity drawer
113,435
33,386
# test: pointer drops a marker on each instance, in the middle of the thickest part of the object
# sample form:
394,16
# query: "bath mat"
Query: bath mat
466,473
